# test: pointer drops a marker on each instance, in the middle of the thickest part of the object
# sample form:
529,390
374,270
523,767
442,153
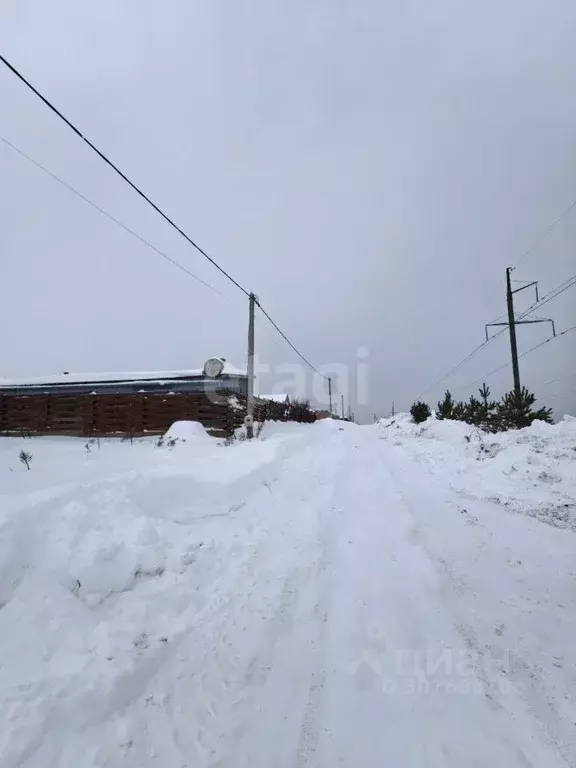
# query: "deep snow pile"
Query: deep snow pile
318,597
108,551
531,470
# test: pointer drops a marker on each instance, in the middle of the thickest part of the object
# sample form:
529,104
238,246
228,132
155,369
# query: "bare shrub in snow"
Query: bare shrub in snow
26,458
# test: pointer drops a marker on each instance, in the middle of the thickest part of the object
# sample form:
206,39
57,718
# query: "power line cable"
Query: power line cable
121,174
105,213
143,240
262,323
568,283
544,300
571,281
57,112
557,381
527,352
459,365
543,235
560,394
287,340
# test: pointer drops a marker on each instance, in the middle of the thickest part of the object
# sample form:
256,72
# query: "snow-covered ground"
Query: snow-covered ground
531,471
330,595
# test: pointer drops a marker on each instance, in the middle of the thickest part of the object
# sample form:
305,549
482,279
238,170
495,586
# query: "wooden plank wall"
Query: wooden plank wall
134,414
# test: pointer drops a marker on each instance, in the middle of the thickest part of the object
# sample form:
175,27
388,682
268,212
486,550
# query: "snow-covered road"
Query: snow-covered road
316,599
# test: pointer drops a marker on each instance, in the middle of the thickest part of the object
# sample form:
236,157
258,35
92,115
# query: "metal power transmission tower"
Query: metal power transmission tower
512,323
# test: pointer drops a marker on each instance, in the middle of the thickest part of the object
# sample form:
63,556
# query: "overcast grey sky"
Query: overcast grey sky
368,168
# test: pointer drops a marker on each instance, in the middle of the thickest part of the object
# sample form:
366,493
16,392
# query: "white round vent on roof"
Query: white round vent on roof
213,367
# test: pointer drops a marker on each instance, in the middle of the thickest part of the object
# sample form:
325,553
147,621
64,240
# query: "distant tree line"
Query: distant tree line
511,412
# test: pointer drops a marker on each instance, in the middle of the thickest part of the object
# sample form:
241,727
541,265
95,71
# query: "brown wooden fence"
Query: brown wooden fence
134,414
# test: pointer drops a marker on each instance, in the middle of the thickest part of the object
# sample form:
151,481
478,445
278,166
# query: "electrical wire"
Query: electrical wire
459,365
568,283
560,394
143,240
105,213
121,174
556,381
95,149
287,340
145,197
543,235
527,352
571,281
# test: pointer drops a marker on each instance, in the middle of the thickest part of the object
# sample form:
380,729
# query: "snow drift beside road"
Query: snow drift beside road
531,470
109,552
320,596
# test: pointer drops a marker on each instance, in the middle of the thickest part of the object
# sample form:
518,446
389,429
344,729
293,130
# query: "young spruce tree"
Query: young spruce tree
515,413
445,408
420,412
488,410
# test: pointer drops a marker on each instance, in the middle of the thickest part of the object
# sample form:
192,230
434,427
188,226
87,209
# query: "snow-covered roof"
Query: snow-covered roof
282,398
95,378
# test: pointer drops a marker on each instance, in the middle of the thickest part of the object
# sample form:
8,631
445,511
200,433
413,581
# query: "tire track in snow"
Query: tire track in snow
388,602
510,686
97,724
230,673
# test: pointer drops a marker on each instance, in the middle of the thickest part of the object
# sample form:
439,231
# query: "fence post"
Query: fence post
138,403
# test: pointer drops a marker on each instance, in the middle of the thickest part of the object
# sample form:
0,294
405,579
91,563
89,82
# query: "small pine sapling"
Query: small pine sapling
420,412
516,412
445,408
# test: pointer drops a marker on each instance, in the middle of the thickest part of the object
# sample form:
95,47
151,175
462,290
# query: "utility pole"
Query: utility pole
512,323
250,399
392,407
512,328
330,393
342,406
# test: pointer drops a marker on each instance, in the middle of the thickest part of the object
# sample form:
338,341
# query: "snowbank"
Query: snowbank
531,470
211,604
109,553
187,431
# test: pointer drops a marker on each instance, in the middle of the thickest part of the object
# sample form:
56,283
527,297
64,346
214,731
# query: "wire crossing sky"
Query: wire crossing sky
114,167
368,169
